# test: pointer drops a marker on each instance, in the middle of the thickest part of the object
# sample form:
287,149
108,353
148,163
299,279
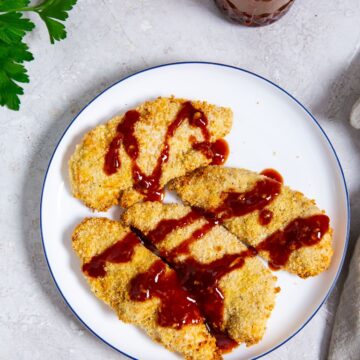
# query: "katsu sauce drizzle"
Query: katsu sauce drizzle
202,280
203,283
237,204
177,307
184,246
149,185
266,215
120,252
192,292
217,151
124,134
166,226
301,232
261,195
273,174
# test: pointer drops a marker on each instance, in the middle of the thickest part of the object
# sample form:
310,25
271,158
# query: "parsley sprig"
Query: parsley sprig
14,52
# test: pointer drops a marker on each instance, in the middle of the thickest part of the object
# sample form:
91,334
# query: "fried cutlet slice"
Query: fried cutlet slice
99,191
207,187
95,236
248,291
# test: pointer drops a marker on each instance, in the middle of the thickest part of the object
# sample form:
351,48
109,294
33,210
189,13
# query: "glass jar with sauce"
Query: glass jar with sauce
254,12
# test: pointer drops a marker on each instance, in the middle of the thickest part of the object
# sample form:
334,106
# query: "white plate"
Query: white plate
271,129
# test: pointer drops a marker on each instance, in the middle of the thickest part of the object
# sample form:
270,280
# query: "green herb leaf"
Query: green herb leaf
17,52
13,27
57,9
53,10
13,52
8,5
12,72
55,28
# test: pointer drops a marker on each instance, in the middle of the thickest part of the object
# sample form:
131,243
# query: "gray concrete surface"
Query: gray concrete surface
313,52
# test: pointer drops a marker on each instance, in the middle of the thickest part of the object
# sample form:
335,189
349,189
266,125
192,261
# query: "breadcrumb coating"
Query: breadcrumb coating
99,191
203,188
249,292
91,237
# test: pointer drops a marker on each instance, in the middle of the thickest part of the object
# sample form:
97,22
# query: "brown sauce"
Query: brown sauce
112,160
301,232
177,307
223,341
184,247
166,226
273,174
202,282
120,252
239,204
217,151
196,118
192,291
124,134
149,185
265,217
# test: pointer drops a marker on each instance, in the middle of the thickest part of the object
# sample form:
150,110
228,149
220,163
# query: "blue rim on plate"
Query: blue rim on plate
260,77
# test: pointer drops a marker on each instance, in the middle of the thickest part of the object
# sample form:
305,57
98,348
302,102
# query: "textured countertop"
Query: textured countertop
313,52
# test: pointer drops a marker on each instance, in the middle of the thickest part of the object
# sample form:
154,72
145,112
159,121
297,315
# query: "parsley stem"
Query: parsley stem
37,8
19,9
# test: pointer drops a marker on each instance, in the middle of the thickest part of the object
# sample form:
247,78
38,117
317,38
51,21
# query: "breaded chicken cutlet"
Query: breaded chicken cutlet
140,288
283,225
233,289
134,155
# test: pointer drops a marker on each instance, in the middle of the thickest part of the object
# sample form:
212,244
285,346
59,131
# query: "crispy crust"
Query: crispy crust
249,291
99,192
93,236
204,186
